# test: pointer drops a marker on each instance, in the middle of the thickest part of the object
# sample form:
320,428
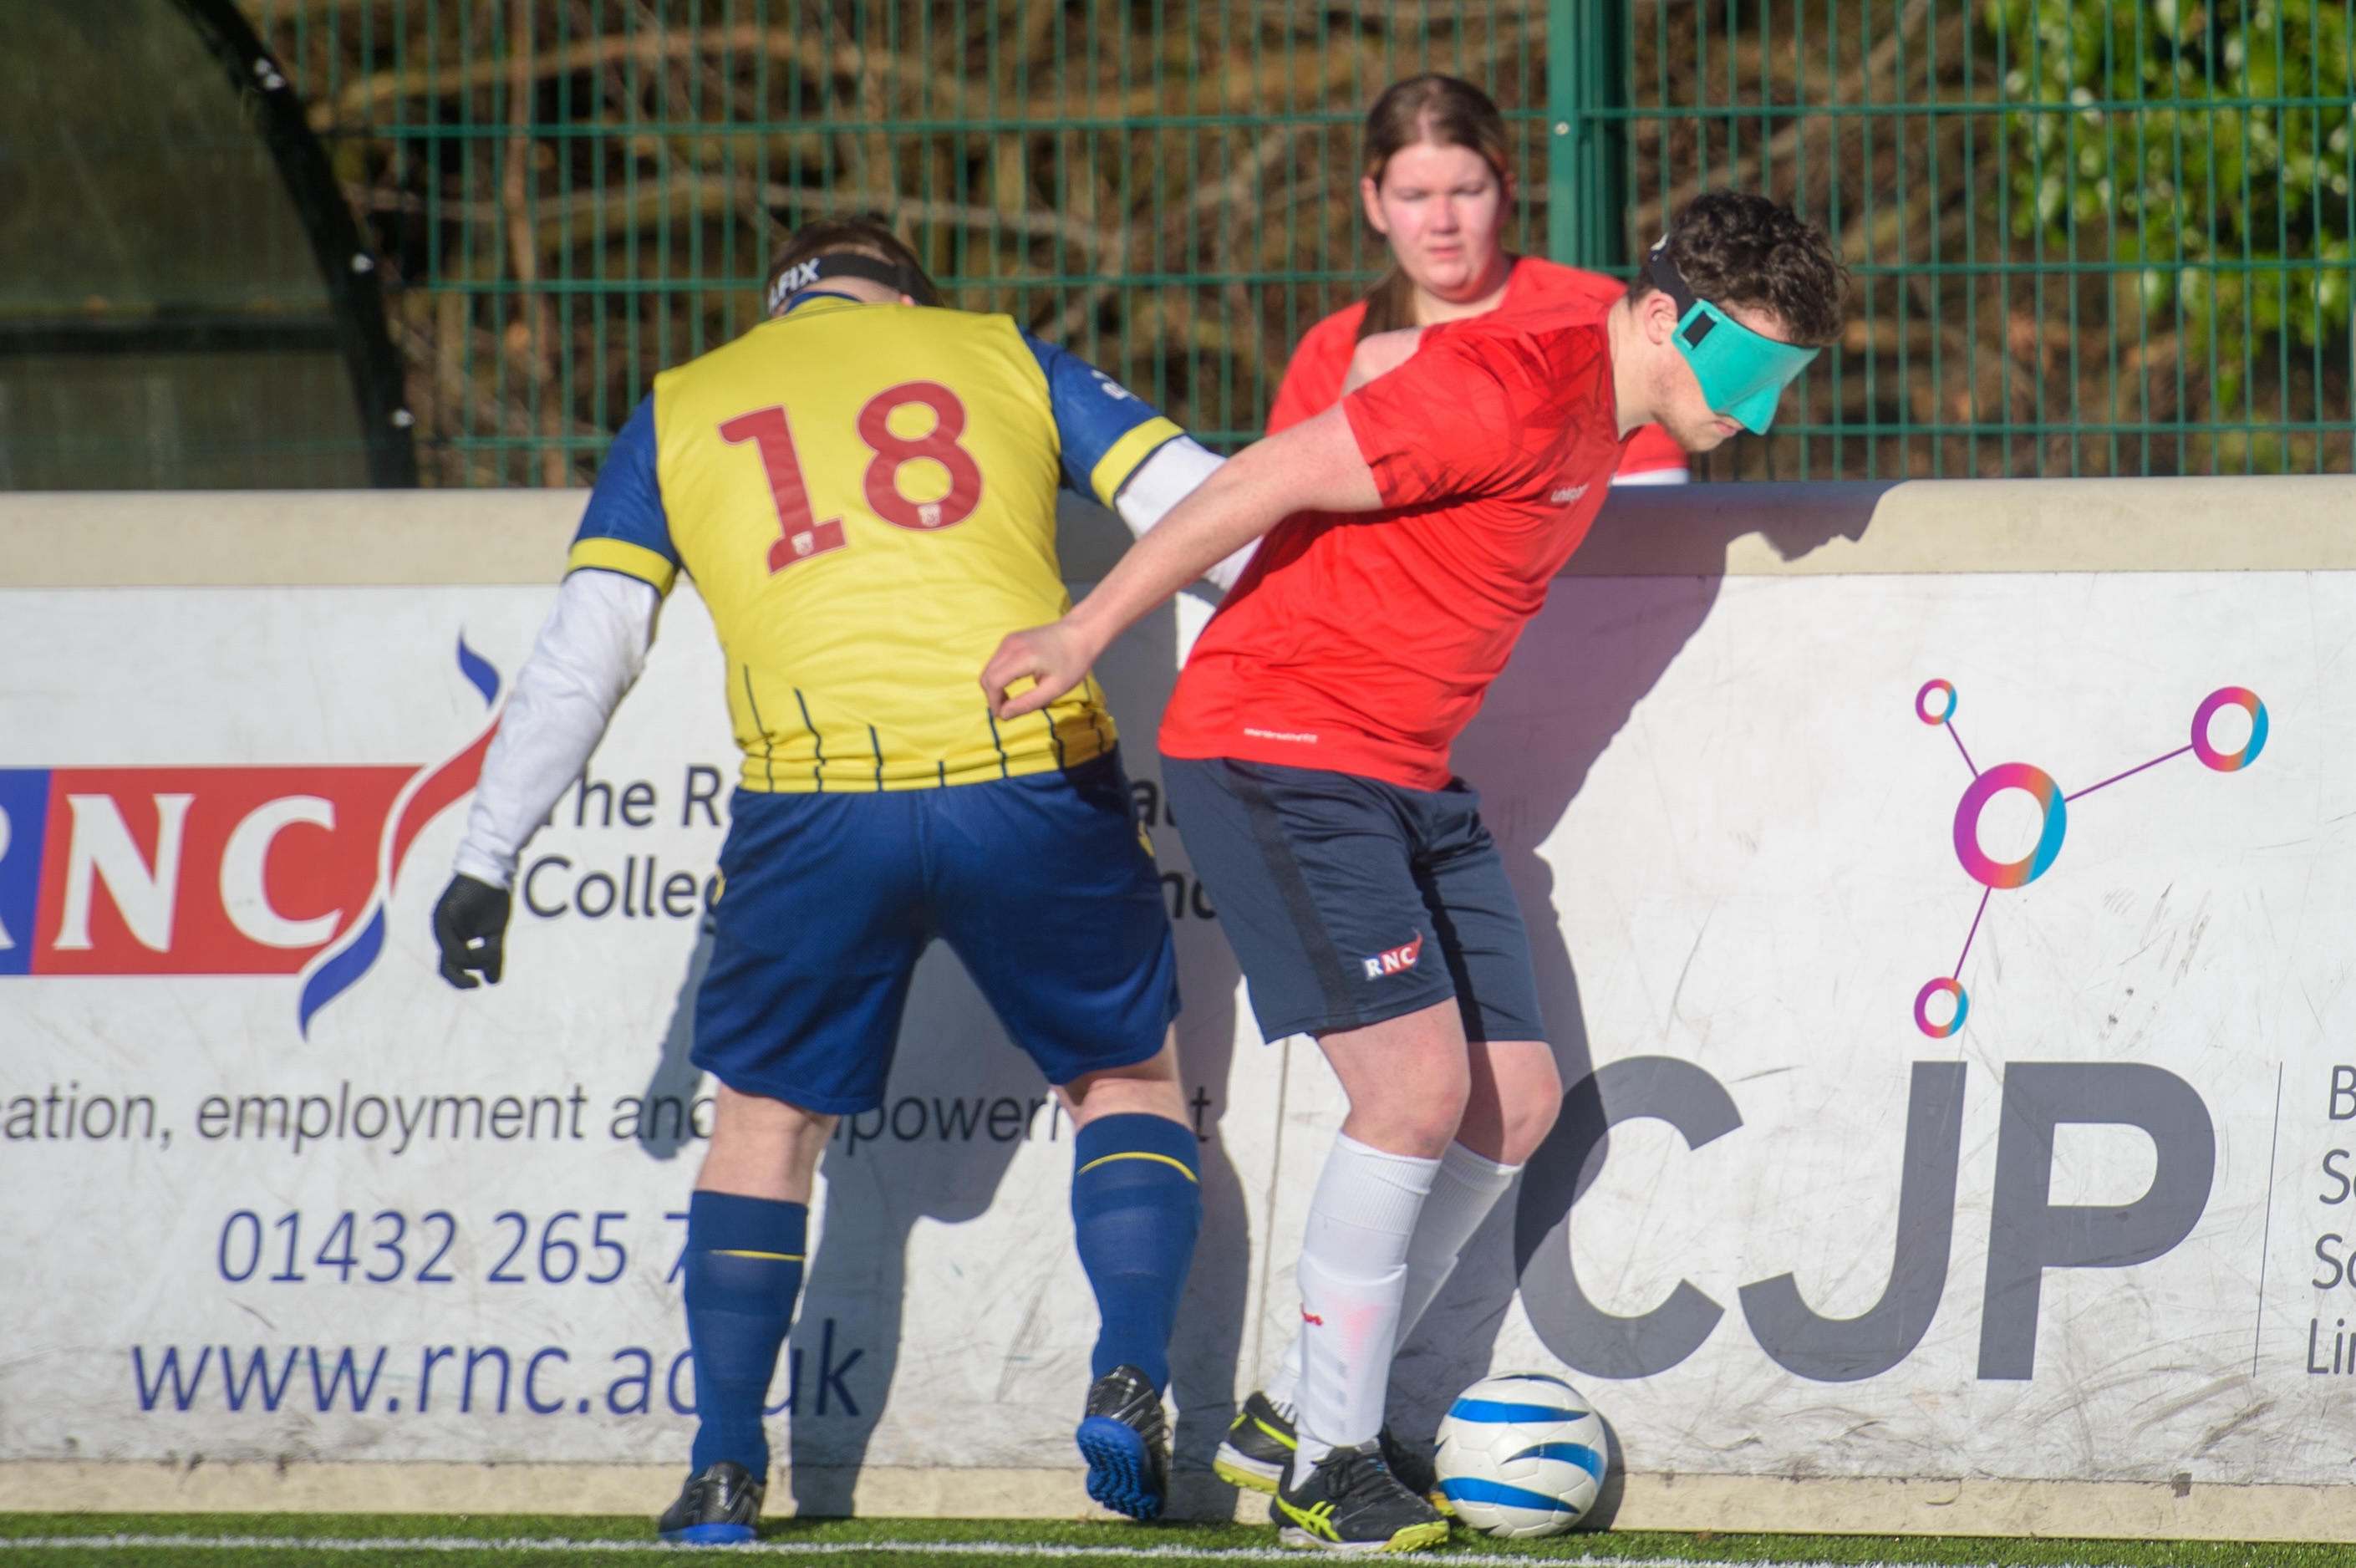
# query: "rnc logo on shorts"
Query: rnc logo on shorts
1398,960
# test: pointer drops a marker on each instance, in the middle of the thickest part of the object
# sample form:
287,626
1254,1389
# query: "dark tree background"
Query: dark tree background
2090,236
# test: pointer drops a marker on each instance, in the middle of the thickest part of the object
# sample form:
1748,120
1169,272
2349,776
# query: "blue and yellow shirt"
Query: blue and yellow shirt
865,497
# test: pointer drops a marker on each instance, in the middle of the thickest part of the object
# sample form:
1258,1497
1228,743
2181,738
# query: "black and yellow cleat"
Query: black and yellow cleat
1259,1446
720,1506
1260,1441
1415,1472
1351,1502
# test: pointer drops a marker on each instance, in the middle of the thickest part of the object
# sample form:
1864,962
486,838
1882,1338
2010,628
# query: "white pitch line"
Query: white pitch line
985,1549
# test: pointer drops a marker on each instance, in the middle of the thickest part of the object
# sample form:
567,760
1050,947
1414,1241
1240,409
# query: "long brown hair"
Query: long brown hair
1447,112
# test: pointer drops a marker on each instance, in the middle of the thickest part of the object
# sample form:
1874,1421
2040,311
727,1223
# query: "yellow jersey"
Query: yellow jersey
865,497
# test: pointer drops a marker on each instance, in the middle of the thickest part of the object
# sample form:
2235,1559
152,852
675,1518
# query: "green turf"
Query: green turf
278,1541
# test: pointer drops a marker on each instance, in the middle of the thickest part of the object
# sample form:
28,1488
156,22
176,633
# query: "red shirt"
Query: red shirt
1362,643
1313,381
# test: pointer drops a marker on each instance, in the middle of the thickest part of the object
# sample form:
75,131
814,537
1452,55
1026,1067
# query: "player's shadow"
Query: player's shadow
666,1111
928,1154
838,1364
1646,580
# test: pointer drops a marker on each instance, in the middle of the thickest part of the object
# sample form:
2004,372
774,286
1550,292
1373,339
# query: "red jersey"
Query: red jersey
1313,381
1364,642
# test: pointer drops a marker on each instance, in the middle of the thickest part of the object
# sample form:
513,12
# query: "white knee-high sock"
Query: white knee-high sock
1353,1275
1283,1390
1466,1188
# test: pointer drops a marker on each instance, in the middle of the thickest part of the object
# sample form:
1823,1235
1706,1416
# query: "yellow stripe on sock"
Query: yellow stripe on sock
1178,1165
774,1257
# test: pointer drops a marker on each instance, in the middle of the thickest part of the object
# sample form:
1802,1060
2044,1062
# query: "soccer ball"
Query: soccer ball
1520,1455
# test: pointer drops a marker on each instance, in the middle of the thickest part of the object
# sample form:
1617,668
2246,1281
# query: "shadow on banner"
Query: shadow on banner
1598,650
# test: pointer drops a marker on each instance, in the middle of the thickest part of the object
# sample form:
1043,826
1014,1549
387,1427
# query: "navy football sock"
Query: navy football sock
1136,1205
743,1270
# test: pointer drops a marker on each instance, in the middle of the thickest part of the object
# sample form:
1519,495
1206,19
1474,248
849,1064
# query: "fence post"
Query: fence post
1588,165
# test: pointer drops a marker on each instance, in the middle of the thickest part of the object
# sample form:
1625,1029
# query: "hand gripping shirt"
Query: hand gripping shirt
1364,642
865,497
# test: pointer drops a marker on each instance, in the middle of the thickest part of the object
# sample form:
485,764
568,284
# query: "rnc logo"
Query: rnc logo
216,870
1398,960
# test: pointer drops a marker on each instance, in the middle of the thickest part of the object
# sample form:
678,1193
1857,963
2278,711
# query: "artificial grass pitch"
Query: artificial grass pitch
453,1540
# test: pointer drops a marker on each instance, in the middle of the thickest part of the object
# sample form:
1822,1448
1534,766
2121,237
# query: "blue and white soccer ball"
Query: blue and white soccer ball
1521,1455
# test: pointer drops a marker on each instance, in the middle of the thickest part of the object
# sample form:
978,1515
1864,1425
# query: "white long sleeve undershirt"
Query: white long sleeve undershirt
589,653
1163,480
595,644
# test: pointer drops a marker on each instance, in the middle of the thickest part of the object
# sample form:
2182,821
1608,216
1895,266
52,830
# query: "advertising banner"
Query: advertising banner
1950,974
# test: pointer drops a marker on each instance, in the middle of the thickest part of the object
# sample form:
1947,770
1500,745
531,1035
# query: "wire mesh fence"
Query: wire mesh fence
2089,236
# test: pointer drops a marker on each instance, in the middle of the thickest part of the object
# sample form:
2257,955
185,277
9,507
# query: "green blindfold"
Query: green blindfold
1743,374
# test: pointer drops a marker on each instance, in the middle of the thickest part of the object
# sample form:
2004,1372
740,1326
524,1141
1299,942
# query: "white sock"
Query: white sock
1283,1390
1467,1187
1353,1275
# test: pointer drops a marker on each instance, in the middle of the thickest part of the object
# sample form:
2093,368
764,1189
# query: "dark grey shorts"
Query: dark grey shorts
1349,900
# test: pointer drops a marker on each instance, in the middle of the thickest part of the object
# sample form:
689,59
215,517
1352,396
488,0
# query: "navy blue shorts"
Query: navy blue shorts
1349,900
1042,885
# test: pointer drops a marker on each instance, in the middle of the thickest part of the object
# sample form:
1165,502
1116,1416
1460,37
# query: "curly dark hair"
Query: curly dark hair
1734,248
861,233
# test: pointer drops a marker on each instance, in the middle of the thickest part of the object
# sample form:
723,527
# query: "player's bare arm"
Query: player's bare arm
1314,467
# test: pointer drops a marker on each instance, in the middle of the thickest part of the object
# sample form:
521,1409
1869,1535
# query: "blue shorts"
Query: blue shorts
1043,885
1349,900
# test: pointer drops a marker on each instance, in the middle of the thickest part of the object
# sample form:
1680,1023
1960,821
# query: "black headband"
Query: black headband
1665,276
897,275
1671,281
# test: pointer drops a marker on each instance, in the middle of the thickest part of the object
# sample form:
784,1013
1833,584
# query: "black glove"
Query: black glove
471,924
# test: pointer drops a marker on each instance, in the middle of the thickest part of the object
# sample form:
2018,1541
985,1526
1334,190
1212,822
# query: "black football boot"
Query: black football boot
1259,1446
1126,1442
1415,1472
720,1506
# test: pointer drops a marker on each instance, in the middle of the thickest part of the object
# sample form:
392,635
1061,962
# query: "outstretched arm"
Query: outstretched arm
1314,467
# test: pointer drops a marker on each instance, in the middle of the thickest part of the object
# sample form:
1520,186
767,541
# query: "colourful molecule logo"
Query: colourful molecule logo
1935,704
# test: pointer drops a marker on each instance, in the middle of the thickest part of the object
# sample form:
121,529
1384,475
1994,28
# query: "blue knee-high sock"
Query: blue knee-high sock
743,1270
1136,1205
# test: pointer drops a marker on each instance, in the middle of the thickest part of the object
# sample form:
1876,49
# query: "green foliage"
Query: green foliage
2208,134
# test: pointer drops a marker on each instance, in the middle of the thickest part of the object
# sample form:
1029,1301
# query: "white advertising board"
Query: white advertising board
280,1195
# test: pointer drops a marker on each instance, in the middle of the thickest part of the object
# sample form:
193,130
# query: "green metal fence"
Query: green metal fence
2089,237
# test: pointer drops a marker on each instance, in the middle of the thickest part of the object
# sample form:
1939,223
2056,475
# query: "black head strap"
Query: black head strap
897,275
1671,281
